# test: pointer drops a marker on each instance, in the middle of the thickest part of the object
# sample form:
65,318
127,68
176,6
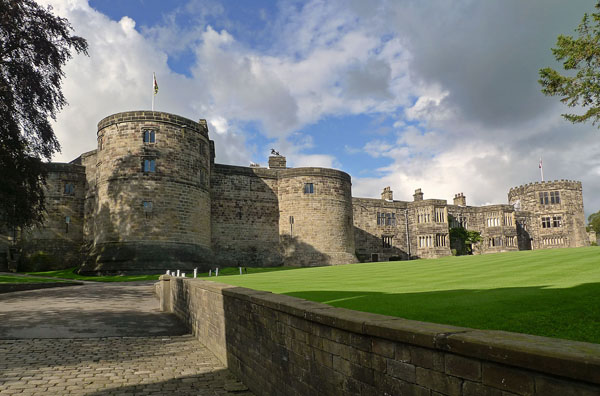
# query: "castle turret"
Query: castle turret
152,208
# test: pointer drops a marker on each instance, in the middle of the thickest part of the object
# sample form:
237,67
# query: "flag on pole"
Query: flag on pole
155,84
541,169
540,162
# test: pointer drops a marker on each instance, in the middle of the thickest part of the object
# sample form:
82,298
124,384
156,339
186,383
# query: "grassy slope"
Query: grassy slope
69,274
554,293
24,279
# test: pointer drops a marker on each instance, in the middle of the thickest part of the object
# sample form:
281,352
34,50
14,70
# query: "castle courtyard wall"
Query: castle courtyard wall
245,216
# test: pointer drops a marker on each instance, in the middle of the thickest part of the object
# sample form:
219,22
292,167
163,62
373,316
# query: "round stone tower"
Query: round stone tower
315,217
152,208
552,213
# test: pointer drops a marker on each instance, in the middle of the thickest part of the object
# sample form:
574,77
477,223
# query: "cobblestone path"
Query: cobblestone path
100,366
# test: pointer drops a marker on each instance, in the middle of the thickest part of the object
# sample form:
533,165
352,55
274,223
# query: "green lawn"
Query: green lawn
554,293
70,274
25,279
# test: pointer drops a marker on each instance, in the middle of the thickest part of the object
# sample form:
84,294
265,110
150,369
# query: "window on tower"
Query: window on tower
149,136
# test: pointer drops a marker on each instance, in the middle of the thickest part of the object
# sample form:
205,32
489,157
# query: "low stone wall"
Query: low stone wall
281,345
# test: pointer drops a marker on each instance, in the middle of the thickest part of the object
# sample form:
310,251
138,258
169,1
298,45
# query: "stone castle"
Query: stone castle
151,197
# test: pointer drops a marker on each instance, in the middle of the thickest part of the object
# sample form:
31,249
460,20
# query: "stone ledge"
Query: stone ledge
564,358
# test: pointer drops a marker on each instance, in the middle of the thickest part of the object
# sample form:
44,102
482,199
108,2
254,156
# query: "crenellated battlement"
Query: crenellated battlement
545,185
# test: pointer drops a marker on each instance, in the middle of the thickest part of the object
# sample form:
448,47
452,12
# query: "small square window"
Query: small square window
149,165
149,136
69,188
309,188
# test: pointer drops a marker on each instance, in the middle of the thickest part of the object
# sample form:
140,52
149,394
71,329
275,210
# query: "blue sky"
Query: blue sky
436,95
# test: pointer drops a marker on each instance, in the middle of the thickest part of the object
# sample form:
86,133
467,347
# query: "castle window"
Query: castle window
309,188
386,241
440,215
545,222
543,198
440,240
69,188
149,165
554,197
147,206
149,136
390,219
425,241
556,221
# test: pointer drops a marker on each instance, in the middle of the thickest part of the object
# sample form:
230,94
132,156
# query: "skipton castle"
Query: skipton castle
151,197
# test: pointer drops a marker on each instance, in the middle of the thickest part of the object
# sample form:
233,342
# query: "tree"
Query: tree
594,222
581,58
463,240
34,45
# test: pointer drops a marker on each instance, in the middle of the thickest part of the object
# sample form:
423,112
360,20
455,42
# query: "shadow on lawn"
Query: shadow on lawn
571,313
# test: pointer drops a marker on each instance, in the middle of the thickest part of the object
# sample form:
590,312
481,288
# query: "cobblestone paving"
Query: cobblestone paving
162,365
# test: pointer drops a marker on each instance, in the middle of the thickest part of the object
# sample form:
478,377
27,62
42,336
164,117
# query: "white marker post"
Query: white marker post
210,272
240,270
195,272
217,272
168,272
183,274
178,274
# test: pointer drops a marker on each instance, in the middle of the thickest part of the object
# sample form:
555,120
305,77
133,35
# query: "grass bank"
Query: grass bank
553,293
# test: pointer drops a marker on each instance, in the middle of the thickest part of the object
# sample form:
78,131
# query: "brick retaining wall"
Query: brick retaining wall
282,345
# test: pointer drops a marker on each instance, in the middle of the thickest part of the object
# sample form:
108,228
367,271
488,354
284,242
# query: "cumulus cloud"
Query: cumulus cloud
459,79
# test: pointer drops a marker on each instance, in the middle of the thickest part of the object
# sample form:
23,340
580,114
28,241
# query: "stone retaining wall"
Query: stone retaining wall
281,345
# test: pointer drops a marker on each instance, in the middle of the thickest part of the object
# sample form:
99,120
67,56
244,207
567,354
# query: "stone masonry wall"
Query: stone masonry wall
315,226
244,216
174,228
368,235
281,345
62,233
572,232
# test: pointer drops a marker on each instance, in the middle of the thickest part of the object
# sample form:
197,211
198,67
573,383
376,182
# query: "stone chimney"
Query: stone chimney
277,162
387,194
460,199
418,195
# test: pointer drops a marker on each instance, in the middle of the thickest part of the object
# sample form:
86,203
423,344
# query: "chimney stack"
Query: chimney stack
460,199
418,195
277,162
387,194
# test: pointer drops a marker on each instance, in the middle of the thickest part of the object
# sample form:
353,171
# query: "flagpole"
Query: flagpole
542,168
153,94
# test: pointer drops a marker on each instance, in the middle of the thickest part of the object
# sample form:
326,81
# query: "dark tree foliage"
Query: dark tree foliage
580,57
34,45
594,222
463,240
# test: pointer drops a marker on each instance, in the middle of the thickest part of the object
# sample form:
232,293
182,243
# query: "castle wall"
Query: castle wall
552,225
381,240
315,225
57,244
147,219
244,216
428,233
496,224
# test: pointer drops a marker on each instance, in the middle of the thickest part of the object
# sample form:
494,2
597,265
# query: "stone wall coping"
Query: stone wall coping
313,171
380,202
245,171
152,116
565,358
571,184
65,167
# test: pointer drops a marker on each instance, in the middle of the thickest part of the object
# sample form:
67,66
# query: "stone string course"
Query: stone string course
281,345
